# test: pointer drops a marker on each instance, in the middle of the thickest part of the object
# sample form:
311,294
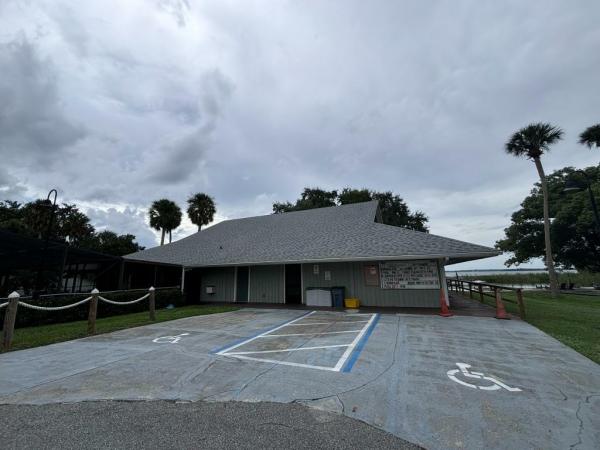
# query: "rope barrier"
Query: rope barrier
124,303
3,305
54,308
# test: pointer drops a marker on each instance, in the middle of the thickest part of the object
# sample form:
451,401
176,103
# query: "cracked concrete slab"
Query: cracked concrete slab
399,382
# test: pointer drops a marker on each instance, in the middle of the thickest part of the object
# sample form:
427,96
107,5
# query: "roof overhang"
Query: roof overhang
448,259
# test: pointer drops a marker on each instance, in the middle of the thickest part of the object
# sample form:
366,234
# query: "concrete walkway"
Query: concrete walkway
412,378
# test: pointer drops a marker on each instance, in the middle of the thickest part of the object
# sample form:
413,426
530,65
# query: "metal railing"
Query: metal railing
488,290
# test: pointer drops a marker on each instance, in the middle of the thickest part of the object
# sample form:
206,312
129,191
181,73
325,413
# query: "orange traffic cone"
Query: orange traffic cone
445,311
500,310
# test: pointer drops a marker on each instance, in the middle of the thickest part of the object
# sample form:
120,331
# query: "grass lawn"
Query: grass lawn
572,319
49,334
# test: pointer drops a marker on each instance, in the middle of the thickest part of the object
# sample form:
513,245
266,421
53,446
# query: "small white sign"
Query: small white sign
463,371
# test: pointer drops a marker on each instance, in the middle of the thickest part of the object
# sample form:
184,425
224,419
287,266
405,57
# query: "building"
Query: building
278,258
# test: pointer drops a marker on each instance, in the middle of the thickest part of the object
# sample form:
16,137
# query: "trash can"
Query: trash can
337,296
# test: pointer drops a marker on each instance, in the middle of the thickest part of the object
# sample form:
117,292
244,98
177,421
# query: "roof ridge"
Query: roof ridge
300,211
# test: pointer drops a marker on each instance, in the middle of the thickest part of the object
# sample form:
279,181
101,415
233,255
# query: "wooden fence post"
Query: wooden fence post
481,293
9,320
470,290
151,304
521,303
92,312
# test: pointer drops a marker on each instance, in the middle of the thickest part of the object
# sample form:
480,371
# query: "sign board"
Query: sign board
371,275
409,275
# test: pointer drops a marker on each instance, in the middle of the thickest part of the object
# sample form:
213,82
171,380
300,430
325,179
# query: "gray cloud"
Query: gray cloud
252,102
32,120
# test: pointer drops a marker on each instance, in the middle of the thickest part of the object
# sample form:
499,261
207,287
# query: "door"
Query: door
293,284
241,287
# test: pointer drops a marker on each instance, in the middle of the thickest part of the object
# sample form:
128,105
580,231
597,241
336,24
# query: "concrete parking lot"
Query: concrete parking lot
461,382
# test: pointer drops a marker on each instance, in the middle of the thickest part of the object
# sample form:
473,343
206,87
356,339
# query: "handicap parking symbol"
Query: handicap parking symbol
169,339
463,371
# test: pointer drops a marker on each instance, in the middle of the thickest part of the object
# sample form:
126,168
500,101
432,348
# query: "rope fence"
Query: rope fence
54,308
112,302
14,302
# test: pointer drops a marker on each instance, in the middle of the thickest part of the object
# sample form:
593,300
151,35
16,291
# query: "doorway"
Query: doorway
241,285
293,284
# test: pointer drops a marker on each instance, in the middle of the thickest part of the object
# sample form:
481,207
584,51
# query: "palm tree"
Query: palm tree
591,136
531,142
165,216
201,209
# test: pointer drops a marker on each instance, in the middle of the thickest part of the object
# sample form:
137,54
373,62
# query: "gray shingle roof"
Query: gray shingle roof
347,232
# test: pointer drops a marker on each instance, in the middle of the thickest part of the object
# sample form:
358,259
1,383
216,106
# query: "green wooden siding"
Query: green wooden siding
222,278
350,275
266,284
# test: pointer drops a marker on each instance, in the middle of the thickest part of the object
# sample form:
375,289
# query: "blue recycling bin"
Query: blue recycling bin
338,294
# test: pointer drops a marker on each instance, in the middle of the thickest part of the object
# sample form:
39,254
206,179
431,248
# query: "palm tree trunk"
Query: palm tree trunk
199,227
162,237
549,258
170,236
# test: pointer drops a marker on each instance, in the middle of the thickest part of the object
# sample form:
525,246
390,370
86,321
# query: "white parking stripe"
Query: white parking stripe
325,323
285,363
266,332
287,349
311,334
347,353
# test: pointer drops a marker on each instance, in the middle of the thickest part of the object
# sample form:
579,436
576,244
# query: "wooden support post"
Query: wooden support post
470,290
9,321
151,304
92,312
521,303
481,293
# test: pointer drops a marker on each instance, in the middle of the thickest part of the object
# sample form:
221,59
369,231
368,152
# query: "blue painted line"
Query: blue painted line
356,352
217,350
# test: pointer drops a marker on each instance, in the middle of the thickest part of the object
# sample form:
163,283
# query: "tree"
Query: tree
349,195
575,240
11,217
393,209
591,136
165,216
531,142
36,217
72,225
110,243
201,209
310,198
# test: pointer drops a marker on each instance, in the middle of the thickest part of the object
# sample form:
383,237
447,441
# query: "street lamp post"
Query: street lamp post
573,186
52,205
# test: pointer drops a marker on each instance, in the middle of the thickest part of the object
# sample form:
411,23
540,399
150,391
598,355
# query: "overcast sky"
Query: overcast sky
118,103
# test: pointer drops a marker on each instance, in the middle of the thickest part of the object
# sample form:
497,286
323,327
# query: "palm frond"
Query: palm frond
533,140
591,136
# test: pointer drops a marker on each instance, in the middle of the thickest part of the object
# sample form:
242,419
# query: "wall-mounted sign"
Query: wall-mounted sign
409,275
327,274
371,275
